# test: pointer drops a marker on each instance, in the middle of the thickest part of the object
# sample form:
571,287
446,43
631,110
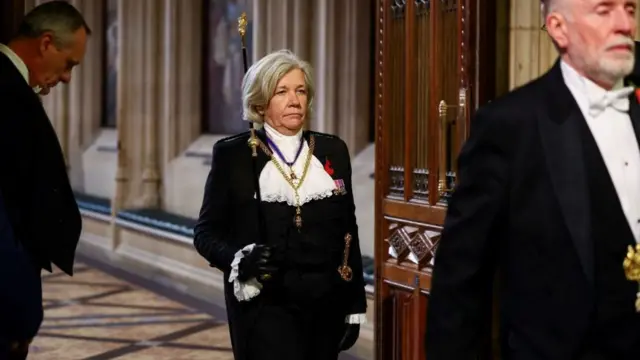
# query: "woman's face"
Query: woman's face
287,107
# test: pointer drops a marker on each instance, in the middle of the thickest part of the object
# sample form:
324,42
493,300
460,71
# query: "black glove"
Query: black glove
351,334
257,264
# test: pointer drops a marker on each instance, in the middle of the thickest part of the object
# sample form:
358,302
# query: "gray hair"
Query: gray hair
544,8
260,81
549,6
58,17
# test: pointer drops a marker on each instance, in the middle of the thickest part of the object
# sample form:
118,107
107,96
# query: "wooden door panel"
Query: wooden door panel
406,310
425,76
449,88
421,101
427,51
411,244
397,19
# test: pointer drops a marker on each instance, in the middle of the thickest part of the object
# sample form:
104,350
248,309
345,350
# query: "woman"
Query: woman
295,288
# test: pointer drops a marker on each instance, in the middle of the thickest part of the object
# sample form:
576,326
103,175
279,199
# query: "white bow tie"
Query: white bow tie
617,99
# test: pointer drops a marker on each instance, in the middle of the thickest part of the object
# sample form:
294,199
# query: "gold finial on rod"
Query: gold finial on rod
253,142
242,25
242,29
631,265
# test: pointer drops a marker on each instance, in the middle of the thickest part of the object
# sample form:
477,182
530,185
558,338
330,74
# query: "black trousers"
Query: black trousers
283,332
619,340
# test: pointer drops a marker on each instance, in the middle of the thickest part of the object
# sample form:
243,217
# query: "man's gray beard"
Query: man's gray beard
616,70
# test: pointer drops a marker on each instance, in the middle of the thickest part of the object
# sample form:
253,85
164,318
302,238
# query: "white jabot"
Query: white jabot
606,113
275,188
18,63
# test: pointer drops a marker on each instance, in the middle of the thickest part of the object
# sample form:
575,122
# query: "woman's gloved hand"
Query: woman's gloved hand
259,264
351,334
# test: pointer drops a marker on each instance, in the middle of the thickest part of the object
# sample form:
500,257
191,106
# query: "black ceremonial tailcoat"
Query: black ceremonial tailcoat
229,221
41,219
536,201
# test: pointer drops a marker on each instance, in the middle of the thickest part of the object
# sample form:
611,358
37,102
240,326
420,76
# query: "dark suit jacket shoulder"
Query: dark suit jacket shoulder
505,214
515,109
38,195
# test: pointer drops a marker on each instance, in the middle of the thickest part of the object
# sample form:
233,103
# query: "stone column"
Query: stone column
302,28
532,52
130,92
324,59
181,76
354,64
334,36
151,89
90,77
159,86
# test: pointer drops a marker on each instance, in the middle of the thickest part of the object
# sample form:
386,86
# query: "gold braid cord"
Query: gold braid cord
297,219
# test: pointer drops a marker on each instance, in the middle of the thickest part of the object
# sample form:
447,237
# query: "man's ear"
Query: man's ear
46,41
556,26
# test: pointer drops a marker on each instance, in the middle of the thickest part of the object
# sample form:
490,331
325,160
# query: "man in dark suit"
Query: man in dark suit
40,222
549,195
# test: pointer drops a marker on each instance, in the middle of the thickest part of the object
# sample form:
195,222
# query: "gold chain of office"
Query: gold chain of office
297,219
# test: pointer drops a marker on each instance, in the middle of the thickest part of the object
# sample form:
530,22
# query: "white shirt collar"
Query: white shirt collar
288,144
577,82
318,184
585,92
18,63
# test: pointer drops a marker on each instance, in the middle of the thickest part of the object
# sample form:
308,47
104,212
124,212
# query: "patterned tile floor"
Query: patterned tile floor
106,313
94,315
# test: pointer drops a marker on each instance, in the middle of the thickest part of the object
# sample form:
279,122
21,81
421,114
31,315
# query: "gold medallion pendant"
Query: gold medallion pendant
631,265
291,177
297,220
345,270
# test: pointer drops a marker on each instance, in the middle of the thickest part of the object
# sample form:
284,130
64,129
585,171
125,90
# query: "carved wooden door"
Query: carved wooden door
426,56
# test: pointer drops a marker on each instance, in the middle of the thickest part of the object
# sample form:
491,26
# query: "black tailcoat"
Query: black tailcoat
534,199
39,203
635,74
308,278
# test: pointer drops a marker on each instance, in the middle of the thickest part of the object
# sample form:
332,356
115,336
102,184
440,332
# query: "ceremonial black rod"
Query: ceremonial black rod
253,141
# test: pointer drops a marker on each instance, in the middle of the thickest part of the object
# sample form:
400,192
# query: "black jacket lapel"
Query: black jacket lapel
634,114
559,120
319,151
